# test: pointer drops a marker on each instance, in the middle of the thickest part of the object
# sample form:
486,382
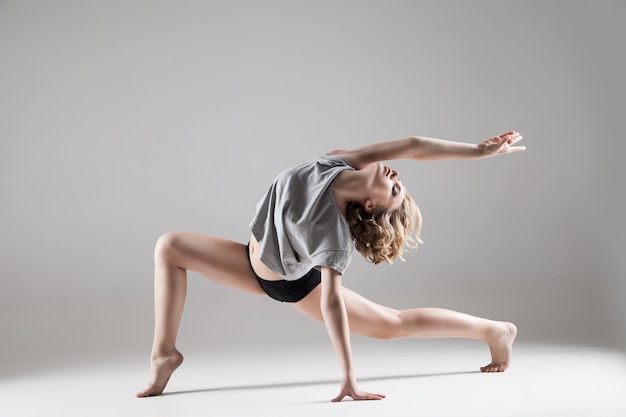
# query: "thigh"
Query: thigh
366,317
221,260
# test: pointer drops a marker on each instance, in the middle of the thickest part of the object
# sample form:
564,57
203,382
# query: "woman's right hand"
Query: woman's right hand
503,144
349,389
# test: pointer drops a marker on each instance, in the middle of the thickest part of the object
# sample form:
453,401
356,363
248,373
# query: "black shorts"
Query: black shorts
288,291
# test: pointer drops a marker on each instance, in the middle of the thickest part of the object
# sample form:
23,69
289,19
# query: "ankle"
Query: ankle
492,332
163,352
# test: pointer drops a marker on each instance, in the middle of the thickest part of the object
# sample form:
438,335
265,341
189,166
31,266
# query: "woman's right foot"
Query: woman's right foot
500,344
161,369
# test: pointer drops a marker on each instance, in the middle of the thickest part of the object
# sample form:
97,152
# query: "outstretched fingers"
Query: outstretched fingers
508,140
502,144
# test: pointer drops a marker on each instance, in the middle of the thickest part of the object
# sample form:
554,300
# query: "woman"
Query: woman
303,234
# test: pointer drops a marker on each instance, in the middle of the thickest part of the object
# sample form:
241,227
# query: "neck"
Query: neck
349,186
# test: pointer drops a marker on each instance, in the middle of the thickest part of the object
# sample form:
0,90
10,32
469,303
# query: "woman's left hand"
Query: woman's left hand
350,390
503,144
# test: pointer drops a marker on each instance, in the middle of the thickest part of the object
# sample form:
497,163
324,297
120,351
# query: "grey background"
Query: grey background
122,120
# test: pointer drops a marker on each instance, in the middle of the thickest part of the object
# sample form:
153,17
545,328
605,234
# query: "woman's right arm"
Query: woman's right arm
422,148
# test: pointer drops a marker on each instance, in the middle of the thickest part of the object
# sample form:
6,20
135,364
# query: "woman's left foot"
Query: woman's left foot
161,369
500,343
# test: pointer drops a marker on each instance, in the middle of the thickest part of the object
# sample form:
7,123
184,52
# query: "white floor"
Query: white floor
420,378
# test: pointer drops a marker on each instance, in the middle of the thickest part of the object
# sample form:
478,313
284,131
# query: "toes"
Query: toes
492,367
489,368
145,393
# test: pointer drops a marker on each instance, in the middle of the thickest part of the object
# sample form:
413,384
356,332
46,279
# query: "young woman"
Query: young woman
303,234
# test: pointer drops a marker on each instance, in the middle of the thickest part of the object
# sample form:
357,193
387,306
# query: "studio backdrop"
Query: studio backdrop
123,120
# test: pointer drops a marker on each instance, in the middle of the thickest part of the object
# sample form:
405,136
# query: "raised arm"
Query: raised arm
336,320
429,149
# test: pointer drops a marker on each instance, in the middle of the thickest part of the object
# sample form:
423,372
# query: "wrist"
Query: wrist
476,151
349,378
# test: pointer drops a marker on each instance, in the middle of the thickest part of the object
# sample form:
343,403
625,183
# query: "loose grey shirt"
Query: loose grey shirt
298,224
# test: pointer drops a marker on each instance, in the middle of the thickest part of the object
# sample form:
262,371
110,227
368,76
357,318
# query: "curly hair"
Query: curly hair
384,234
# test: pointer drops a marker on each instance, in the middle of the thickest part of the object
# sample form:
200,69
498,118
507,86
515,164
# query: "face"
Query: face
385,188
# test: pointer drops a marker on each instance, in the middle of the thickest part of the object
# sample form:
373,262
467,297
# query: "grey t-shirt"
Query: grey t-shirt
298,224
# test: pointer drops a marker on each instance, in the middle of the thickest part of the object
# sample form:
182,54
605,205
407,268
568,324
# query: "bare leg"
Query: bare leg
440,323
170,289
219,259
374,320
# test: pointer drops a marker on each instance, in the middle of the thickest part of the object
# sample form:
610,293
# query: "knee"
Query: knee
392,328
165,248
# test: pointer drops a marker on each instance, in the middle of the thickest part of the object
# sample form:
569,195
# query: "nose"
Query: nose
388,172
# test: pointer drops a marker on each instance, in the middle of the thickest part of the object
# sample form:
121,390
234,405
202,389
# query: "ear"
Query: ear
369,205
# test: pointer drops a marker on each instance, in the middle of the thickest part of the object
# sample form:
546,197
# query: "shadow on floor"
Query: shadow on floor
311,383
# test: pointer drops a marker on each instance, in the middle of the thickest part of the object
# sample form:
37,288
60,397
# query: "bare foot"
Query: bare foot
500,345
161,369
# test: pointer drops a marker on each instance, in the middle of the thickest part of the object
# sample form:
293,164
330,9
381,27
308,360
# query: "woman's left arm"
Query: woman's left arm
336,320
422,148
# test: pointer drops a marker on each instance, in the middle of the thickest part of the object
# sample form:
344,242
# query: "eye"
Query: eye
395,190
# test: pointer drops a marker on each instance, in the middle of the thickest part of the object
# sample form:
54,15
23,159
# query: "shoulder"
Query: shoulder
363,156
336,159
342,154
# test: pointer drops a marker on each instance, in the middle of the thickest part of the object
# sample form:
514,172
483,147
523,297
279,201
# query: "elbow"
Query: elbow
415,146
330,303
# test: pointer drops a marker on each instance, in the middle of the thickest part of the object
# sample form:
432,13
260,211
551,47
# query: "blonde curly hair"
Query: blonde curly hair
384,234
